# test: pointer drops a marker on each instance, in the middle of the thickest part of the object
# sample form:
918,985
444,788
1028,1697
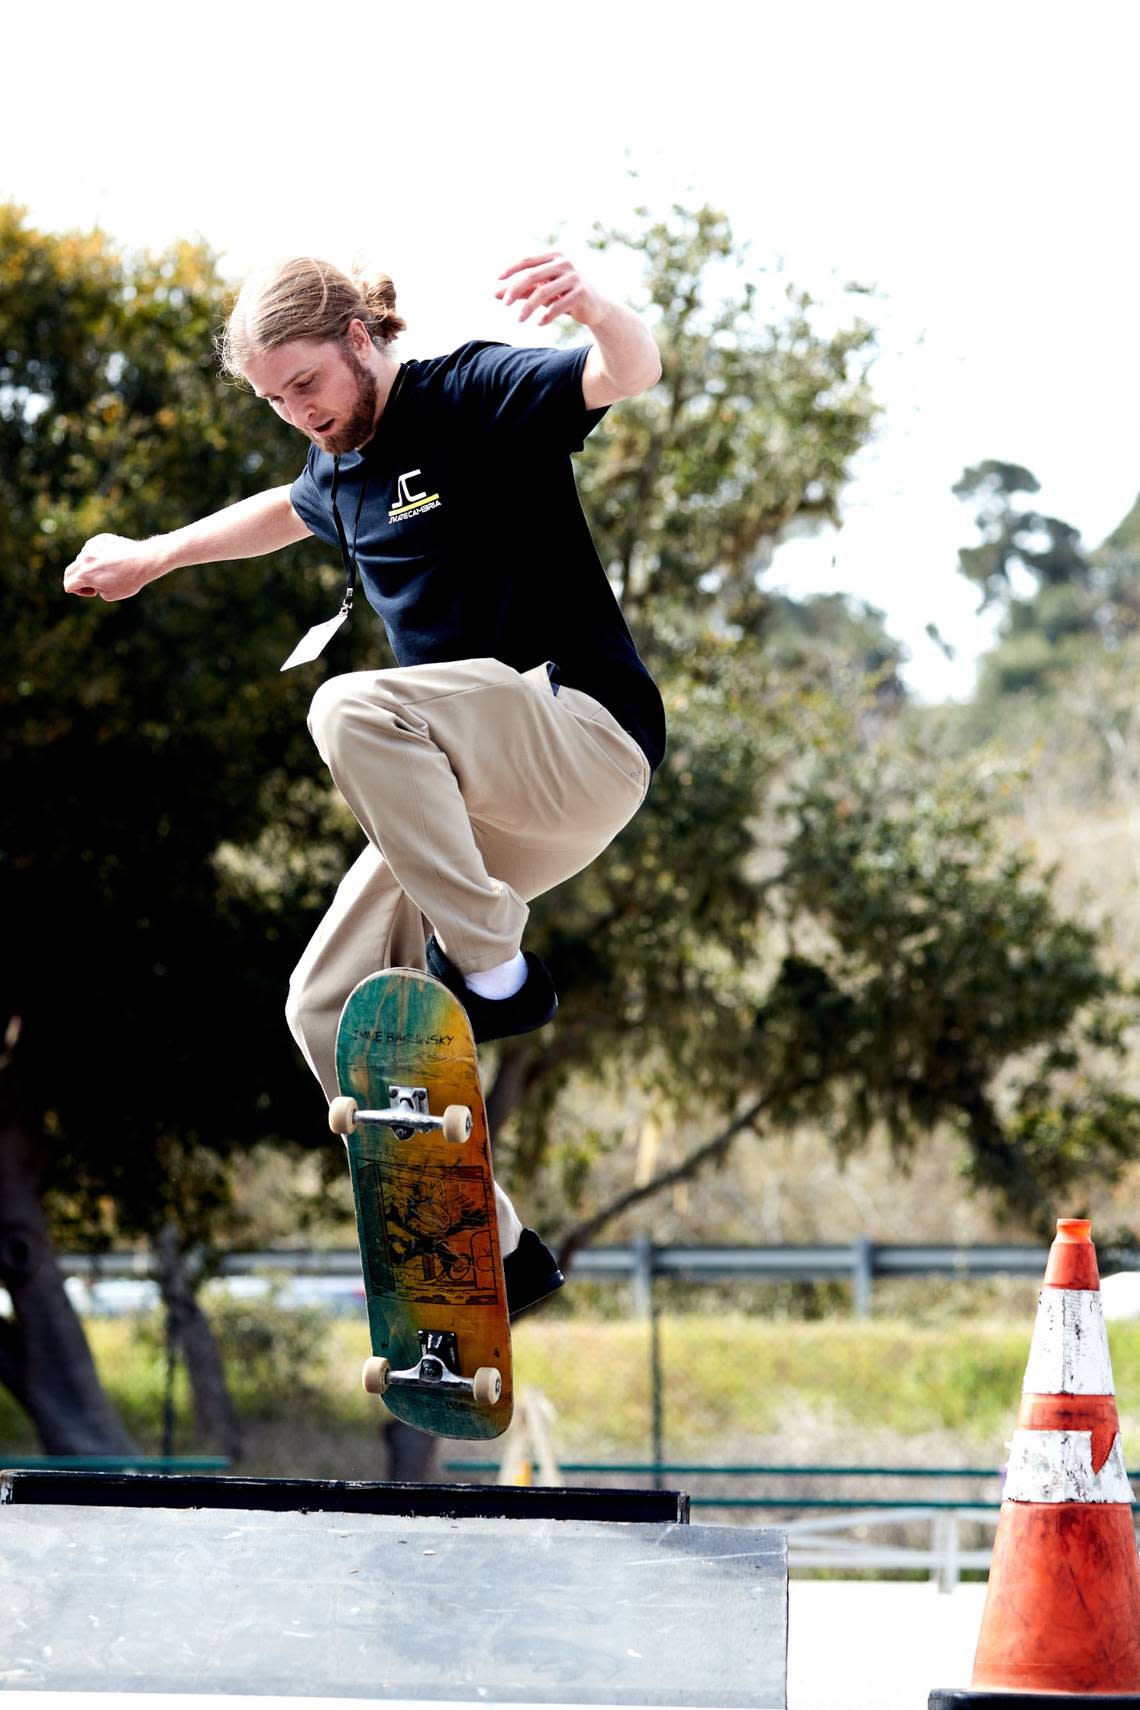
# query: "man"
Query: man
520,730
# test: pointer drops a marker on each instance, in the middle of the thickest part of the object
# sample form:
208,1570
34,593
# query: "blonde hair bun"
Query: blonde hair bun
304,297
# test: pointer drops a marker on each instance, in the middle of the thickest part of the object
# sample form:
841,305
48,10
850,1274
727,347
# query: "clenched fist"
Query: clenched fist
112,567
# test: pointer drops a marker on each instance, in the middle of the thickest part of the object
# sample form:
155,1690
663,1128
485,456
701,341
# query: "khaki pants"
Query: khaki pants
478,788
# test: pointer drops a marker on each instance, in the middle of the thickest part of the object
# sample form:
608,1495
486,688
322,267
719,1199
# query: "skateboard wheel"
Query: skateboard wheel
374,1376
487,1386
342,1115
457,1125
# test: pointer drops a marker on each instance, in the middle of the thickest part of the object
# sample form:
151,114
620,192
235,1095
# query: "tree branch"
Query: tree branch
520,1067
510,1083
584,1233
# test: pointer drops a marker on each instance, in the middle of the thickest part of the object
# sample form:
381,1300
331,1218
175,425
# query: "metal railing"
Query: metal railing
861,1263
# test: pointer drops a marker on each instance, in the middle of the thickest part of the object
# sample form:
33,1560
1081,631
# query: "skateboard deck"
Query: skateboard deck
425,1206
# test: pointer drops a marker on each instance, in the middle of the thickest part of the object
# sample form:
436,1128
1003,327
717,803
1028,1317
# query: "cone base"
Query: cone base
970,1698
1062,1613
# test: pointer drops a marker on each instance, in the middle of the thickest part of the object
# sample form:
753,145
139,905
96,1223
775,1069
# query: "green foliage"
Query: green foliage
1008,534
890,1378
832,636
270,1351
143,740
688,488
947,972
1061,606
751,429
810,912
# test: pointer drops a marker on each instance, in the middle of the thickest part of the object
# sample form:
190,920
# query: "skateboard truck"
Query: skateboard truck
438,1370
406,1115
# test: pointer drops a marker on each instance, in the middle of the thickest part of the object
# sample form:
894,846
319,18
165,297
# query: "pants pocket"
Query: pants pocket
623,752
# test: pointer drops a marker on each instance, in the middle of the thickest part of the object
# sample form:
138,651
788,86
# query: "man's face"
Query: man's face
320,387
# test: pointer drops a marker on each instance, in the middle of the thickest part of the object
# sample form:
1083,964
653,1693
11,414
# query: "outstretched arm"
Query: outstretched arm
624,359
115,568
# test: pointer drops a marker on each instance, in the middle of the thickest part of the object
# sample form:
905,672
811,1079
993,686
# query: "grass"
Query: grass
736,1387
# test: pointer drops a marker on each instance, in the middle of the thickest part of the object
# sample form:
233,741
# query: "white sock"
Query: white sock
501,982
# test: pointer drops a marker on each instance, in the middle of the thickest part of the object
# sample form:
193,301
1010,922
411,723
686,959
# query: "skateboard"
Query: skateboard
414,1124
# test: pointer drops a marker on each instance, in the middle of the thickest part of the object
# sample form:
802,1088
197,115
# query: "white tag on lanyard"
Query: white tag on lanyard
313,643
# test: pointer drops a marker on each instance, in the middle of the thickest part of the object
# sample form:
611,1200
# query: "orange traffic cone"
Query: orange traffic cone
1062,1617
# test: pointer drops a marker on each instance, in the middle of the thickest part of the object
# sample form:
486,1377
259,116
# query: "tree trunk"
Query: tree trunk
521,1069
413,1456
216,1420
44,1358
510,1085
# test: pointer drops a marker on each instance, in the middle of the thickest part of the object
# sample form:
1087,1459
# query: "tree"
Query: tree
688,489
918,974
666,951
142,989
1058,684
1060,604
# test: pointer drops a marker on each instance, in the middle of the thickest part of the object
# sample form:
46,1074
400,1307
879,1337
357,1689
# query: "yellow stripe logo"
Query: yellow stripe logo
410,501
416,505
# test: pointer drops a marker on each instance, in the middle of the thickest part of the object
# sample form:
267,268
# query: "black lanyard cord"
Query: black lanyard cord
349,559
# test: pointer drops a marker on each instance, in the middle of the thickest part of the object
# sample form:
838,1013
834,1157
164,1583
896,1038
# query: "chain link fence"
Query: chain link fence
843,1387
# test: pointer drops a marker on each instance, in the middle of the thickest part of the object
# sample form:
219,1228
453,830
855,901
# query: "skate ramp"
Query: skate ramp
303,1602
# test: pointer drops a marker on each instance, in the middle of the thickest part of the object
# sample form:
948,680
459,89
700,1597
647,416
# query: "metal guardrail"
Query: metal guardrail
861,1263
812,1262
830,1543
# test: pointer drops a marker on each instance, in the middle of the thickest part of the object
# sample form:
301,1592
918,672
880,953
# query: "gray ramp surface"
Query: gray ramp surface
319,1605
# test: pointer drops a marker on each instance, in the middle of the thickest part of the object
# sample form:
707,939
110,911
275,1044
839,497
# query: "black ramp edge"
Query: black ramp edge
986,1698
343,1496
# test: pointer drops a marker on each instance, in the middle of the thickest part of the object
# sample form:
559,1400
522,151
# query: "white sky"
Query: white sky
976,162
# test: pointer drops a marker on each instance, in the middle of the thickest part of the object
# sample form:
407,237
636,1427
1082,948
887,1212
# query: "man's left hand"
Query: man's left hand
552,283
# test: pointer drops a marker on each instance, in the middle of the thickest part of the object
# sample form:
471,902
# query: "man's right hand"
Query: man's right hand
113,567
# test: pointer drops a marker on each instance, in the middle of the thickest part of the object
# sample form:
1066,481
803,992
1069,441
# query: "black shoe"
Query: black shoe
531,1273
533,1005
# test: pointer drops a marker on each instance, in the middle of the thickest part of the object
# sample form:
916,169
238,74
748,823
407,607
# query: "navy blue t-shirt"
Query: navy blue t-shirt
472,543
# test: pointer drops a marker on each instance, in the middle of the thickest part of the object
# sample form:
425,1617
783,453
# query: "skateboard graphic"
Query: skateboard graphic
415,1128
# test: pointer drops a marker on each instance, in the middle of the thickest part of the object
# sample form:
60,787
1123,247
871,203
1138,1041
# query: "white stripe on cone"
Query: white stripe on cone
1069,1352
1056,1466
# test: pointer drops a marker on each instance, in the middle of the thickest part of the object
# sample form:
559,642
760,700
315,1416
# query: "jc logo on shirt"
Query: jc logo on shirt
409,501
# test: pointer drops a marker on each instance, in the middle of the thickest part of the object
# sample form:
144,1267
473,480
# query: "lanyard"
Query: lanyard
348,559
313,643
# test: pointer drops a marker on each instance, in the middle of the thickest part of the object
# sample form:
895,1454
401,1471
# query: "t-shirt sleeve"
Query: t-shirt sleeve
306,499
534,396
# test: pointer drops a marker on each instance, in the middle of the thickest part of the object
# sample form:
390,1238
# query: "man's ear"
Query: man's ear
358,337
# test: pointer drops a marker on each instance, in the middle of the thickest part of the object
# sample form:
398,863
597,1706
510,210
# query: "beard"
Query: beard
360,423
